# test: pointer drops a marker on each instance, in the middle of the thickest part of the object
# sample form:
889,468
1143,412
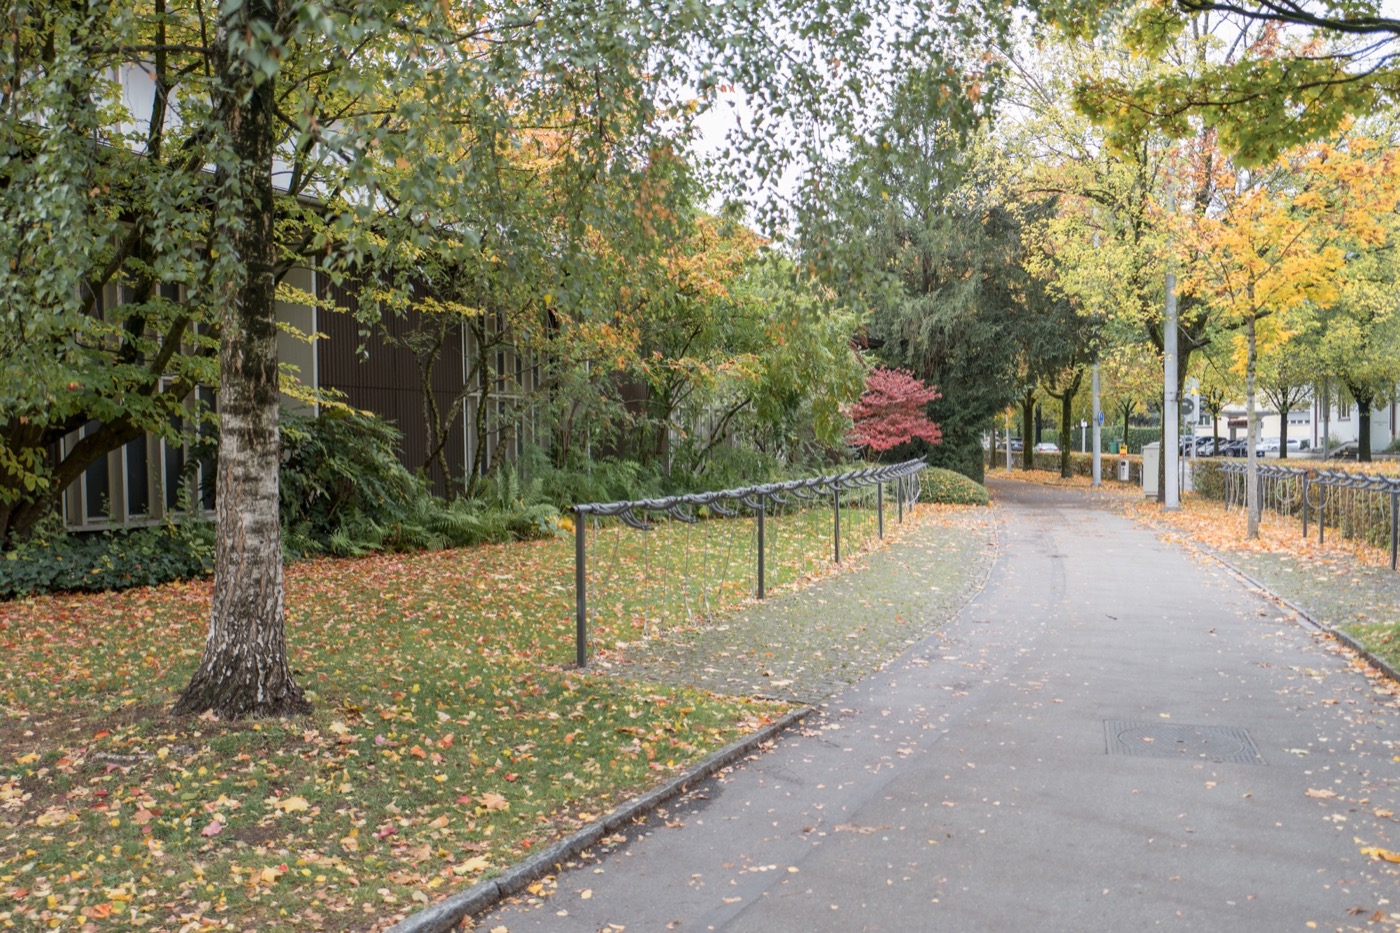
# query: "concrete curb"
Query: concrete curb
1304,616
447,913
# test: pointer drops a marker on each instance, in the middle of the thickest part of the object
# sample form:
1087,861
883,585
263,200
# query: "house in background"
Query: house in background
151,479
1339,415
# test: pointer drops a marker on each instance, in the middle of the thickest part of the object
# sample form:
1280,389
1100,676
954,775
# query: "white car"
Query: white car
1047,447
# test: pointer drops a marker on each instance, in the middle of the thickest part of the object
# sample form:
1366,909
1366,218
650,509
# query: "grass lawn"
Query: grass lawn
451,734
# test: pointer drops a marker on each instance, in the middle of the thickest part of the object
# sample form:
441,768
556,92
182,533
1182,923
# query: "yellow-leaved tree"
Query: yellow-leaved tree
1275,247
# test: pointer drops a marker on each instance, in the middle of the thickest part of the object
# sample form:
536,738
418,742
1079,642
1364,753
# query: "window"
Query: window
136,466
96,494
1344,409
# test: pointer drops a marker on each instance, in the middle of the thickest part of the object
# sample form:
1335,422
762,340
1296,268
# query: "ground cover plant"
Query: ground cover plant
451,737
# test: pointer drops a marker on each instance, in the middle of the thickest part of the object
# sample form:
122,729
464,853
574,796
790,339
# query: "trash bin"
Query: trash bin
1123,470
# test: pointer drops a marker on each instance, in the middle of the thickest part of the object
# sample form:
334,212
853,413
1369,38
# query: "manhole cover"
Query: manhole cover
1163,740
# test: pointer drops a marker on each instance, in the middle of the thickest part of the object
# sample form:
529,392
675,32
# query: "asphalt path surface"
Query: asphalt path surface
1116,734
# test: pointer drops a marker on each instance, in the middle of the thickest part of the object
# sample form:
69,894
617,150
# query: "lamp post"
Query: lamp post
1083,437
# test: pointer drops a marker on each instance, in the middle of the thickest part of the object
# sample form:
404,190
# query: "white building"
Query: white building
1342,422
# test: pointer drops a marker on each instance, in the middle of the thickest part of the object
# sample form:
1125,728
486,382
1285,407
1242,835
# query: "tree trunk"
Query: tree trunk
1066,431
1364,400
1283,431
244,671
1028,430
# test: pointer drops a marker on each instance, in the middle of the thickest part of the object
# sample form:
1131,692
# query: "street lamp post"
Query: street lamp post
1083,436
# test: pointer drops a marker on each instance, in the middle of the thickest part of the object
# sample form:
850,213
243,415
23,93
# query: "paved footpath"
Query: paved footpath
1115,735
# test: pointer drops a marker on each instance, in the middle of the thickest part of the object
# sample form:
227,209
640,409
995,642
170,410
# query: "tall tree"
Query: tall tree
1278,247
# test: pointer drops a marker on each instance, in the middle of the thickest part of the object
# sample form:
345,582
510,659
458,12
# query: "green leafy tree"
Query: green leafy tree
1312,66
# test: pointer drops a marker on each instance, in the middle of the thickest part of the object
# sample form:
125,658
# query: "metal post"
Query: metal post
1321,510
580,588
1394,529
762,508
1305,506
1098,428
836,524
899,491
1170,493
880,510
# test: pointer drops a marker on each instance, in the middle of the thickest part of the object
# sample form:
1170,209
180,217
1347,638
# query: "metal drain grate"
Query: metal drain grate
1163,740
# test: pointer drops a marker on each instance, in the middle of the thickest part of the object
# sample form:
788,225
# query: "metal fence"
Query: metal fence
1361,507
856,493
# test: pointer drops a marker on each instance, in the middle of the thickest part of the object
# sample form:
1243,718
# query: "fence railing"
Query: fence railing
754,503
1359,506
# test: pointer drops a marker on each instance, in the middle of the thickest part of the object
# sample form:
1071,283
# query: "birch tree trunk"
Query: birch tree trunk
244,671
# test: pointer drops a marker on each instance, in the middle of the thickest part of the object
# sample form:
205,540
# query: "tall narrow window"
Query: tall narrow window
96,484
138,481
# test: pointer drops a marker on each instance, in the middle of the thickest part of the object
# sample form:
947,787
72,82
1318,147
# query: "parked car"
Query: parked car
1047,447
1016,444
1296,444
1236,448
1266,446
1211,446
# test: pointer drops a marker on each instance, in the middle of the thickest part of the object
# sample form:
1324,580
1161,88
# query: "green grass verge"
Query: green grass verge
451,735
1381,640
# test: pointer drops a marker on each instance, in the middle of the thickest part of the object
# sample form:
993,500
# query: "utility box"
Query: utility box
1151,457
1123,469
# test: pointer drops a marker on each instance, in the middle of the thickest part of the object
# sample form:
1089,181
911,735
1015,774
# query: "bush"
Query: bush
51,560
606,480
945,487
1079,464
344,492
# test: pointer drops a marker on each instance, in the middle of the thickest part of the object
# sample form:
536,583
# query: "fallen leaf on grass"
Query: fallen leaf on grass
213,829
288,804
473,865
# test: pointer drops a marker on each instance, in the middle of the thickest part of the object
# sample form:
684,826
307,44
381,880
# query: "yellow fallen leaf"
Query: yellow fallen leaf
27,759
54,816
1321,793
1382,854
494,802
471,866
290,804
